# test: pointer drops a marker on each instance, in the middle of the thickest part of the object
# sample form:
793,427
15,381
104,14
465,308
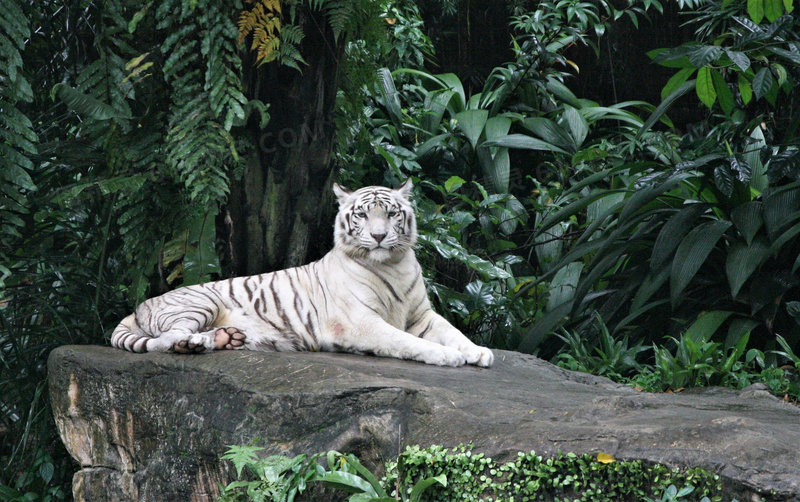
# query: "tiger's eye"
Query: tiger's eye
392,214
361,214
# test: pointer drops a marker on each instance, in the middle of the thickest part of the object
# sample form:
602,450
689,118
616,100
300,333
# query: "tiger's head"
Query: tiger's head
375,223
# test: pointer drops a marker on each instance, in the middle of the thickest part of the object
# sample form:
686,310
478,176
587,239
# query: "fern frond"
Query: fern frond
340,15
263,22
17,137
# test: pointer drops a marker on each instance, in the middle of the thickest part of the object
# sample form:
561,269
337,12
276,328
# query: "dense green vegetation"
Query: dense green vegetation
437,474
141,139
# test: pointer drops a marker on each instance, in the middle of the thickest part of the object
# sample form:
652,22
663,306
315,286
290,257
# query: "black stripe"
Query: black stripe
377,274
411,288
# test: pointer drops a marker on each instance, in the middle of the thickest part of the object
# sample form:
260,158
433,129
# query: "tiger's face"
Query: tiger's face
374,222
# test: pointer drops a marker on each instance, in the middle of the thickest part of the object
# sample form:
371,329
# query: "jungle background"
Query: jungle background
613,185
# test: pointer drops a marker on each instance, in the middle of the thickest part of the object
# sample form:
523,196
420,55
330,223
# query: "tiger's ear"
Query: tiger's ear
405,188
342,193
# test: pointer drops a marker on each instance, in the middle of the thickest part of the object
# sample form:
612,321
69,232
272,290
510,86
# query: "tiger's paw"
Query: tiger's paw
229,339
477,355
188,347
445,356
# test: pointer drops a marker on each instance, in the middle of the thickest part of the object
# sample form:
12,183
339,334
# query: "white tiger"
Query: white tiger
365,296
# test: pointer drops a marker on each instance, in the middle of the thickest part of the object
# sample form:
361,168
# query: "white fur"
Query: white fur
366,295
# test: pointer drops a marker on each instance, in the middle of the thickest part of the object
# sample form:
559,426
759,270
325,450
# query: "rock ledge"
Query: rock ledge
148,427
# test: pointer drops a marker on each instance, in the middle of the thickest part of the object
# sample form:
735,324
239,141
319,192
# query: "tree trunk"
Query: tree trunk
279,211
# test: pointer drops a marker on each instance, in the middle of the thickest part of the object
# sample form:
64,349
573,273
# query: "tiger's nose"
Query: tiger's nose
378,237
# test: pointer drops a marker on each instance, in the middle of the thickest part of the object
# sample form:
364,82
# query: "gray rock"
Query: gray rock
151,427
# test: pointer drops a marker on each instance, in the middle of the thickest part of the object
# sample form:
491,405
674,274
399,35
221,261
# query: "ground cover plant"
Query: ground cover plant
439,474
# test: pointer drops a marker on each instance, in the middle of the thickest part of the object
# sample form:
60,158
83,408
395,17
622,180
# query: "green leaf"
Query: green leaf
743,260
762,83
755,9
86,105
724,94
551,132
758,171
676,81
706,325
390,97
577,125
348,482
773,9
745,90
740,59
788,5
701,56
563,286
705,86
471,123
738,329
562,92
692,254
453,183
665,104
424,484
748,220
523,142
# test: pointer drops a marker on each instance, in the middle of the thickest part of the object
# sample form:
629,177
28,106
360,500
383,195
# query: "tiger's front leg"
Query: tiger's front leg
376,336
431,326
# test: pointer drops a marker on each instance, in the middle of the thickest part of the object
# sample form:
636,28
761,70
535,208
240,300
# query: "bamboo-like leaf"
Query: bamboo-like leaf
743,260
563,285
664,106
523,142
692,254
671,235
706,325
551,132
389,94
676,81
738,329
748,220
577,125
780,209
471,123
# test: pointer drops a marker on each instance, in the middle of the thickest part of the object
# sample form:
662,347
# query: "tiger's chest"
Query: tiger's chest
393,293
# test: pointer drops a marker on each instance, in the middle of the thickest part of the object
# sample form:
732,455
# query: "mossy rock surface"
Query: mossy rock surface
152,426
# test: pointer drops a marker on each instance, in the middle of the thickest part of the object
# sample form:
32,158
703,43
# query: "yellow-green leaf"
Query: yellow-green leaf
705,87
787,4
724,94
755,9
773,9
745,91
676,81
605,458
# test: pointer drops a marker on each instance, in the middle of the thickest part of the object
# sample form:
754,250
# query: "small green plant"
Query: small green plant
277,478
281,479
437,474
610,357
